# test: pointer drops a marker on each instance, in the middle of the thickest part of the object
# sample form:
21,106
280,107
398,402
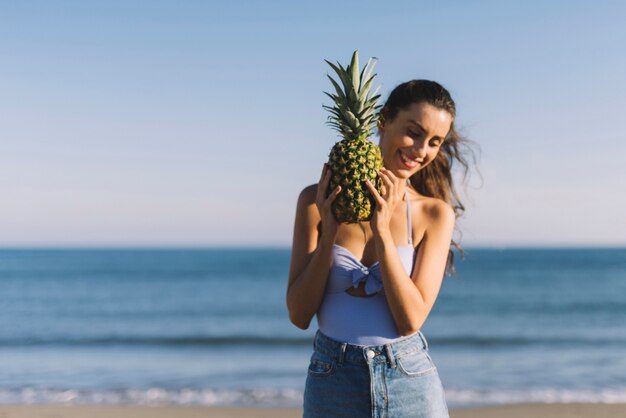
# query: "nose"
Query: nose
420,147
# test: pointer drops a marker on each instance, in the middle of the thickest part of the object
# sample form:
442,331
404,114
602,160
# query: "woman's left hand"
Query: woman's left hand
385,204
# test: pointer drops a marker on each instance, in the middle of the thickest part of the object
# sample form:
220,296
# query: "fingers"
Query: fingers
390,183
333,195
322,186
324,202
324,170
377,197
389,173
391,176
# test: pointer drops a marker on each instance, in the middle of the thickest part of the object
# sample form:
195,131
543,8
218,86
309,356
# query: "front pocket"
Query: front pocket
416,363
321,365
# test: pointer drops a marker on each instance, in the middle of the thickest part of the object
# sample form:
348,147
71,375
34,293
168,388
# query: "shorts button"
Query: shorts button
370,354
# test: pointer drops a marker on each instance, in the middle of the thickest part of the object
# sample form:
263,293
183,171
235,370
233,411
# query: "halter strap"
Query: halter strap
408,217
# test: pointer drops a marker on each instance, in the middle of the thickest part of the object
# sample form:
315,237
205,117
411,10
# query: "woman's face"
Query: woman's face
412,139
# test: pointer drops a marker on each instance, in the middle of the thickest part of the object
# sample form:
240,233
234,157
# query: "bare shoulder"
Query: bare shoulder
306,204
307,195
434,211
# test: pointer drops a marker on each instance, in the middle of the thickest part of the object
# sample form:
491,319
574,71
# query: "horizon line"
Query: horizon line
537,246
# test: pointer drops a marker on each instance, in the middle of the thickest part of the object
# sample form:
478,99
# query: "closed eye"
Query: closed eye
412,134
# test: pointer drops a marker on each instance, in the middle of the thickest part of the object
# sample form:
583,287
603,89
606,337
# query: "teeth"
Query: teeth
406,159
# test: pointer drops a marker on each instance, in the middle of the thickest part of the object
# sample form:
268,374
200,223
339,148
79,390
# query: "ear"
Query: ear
381,122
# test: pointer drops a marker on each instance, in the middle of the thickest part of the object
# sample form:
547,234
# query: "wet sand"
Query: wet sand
509,411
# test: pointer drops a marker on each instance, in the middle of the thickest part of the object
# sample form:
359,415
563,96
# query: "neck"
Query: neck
403,186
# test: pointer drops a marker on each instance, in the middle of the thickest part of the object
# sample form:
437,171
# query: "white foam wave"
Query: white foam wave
471,397
286,397
154,397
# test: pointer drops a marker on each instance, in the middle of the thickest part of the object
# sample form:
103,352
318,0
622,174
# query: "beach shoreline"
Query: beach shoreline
509,411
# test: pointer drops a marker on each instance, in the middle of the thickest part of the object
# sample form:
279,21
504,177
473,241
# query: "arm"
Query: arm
311,252
411,298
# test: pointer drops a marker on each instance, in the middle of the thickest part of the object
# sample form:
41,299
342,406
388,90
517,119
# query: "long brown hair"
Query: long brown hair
436,179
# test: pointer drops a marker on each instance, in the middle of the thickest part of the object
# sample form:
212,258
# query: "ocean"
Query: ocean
210,327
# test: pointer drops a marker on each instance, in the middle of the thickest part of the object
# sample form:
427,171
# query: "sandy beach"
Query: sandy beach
509,411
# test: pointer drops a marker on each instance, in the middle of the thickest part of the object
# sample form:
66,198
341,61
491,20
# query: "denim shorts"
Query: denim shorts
392,380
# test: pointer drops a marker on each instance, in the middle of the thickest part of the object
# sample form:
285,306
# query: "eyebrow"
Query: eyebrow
424,130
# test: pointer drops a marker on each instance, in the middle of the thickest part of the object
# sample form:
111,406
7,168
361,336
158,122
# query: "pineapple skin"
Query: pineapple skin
351,163
354,159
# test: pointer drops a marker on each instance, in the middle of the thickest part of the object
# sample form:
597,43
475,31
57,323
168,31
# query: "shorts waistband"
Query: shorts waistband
354,353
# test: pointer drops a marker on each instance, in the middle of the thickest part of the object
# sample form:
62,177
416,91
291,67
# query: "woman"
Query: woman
373,284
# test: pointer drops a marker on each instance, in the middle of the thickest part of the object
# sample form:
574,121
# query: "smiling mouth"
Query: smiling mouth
407,161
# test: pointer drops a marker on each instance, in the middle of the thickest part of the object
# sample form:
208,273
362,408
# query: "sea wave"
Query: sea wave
287,397
177,341
530,340
467,341
259,397
473,397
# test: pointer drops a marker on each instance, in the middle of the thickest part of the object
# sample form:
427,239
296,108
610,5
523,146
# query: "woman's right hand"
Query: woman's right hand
330,225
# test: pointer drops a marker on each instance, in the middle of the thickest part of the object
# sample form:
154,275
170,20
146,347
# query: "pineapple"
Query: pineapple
354,158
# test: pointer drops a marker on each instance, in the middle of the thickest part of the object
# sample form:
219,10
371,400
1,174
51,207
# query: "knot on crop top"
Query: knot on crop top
371,277
347,271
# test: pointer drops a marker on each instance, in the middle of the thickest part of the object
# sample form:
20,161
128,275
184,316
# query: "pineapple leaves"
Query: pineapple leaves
366,88
343,75
354,70
354,110
337,88
367,70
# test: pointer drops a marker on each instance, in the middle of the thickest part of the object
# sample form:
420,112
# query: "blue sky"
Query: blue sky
198,123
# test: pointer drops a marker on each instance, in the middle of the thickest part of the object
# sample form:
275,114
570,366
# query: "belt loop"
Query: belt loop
342,353
391,357
423,340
